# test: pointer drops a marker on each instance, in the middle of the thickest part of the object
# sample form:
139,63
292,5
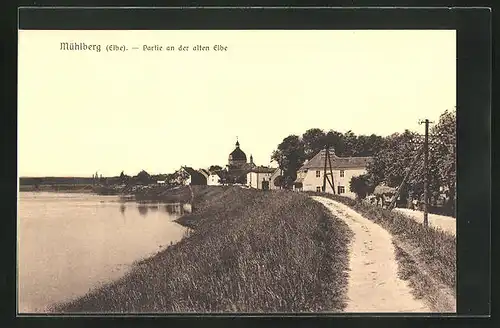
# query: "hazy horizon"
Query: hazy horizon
82,112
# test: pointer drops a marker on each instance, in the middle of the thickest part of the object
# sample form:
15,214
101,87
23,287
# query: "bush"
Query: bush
361,186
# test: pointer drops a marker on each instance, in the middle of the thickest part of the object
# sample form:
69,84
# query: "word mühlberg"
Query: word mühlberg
80,46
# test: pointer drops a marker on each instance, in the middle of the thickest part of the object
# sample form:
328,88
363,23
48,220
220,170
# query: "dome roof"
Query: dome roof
238,154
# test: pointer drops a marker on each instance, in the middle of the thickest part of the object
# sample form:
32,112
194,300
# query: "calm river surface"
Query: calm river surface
71,243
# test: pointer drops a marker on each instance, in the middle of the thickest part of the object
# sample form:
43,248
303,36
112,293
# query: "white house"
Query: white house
310,176
187,180
259,177
214,179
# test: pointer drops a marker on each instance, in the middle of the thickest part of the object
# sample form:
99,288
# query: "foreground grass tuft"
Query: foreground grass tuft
250,251
426,257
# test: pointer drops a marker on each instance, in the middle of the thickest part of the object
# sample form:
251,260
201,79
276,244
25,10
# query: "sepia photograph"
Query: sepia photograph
236,171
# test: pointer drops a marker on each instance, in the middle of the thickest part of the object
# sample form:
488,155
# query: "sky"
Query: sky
84,111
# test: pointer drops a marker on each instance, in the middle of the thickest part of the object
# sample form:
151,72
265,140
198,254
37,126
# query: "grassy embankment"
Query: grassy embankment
250,251
426,257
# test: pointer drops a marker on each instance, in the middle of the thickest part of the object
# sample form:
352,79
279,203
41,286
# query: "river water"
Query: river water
69,244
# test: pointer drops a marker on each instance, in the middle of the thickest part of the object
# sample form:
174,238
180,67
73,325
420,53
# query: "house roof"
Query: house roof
205,172
262,169
276,172
318,161
193,173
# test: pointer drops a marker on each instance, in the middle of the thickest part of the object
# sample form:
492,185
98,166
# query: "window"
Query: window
341,173
318,174
318,189
341,190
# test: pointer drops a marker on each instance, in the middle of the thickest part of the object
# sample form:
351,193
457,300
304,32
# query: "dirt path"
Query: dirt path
445,223
374,285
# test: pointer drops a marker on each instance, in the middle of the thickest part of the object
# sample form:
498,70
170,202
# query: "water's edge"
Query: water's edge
43,218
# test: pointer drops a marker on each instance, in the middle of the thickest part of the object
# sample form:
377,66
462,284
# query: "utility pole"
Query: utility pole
331,172
282,173
324,171
426,172
325,175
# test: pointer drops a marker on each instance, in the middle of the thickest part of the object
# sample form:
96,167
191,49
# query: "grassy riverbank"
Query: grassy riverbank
426,257
250,251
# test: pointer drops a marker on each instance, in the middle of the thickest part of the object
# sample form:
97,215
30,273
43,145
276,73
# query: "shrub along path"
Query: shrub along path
374,285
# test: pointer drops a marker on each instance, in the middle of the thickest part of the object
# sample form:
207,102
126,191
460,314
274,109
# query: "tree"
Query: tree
290,156
335,140
442,154
123,178
389,165
38,182
160,177
398,151
223,177
368,145
350,144
288,181
362,186
215,168
314,141
143,177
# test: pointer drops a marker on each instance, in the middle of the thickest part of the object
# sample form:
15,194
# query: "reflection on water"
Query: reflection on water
143,209
178,208
71,243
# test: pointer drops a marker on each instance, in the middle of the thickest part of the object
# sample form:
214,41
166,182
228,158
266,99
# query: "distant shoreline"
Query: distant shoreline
180,194
57,188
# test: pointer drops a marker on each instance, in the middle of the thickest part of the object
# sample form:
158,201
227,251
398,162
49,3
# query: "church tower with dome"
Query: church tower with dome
237,158
237,165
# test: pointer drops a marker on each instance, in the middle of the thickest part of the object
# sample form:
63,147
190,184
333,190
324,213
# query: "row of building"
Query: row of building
310,176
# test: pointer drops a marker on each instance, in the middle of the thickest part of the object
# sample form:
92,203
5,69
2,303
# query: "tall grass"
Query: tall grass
427,257
250,251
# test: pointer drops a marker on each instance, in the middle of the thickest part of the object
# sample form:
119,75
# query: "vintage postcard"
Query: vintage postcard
237,171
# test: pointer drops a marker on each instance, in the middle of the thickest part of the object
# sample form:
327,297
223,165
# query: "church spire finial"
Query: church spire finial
237,142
